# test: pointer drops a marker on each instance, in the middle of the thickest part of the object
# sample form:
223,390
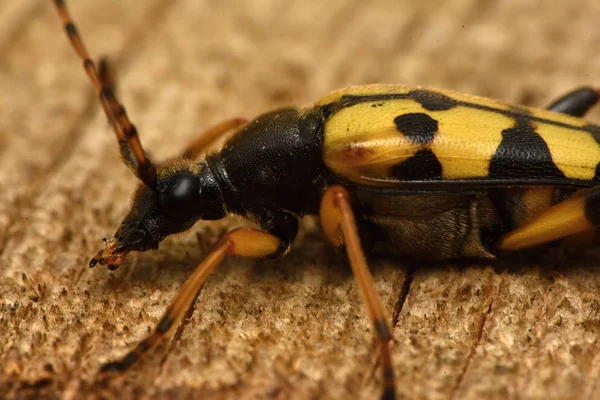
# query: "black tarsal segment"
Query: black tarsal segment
129,359
432,101
120,366
424,165
523,154
420,128
382,329
144,346
165,324
388,394
388,374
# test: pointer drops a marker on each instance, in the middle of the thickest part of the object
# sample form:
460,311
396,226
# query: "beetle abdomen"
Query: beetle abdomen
452,225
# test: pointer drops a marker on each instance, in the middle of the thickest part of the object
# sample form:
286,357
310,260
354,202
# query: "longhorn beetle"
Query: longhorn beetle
427,173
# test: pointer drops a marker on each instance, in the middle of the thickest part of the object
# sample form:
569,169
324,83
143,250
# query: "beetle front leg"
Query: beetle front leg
339,226
243,242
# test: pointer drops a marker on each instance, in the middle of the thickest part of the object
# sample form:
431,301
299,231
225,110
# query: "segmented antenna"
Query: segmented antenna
130,147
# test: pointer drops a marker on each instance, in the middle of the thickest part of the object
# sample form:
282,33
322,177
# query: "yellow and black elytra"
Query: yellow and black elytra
425,173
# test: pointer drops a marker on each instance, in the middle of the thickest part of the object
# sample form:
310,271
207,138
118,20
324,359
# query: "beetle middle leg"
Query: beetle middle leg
577,102
243,242
339,226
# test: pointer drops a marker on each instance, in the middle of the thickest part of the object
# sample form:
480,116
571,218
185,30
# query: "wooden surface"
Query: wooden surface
290,328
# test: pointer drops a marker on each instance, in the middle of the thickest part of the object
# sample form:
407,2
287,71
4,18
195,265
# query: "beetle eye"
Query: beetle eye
180,199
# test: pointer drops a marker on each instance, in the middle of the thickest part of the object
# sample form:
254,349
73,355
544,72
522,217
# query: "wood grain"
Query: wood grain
289,328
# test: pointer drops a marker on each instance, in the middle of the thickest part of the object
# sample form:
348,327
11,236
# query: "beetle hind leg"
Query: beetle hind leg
577,102
578,215
339,226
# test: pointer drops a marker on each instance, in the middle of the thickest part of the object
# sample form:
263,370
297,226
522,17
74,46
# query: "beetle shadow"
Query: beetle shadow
549,260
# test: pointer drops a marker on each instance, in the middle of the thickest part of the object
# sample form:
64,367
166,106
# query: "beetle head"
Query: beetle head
184,194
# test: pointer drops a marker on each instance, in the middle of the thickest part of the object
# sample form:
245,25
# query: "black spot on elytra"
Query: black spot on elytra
597,173
424,165
523,154
418,127
432,101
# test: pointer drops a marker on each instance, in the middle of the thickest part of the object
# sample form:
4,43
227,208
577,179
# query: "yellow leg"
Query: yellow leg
340,229
574,216
239,242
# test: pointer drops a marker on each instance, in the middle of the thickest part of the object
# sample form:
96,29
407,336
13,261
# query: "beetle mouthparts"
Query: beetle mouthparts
112,255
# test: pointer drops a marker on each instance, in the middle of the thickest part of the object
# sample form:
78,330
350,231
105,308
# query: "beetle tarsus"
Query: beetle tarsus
388,394
116,366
